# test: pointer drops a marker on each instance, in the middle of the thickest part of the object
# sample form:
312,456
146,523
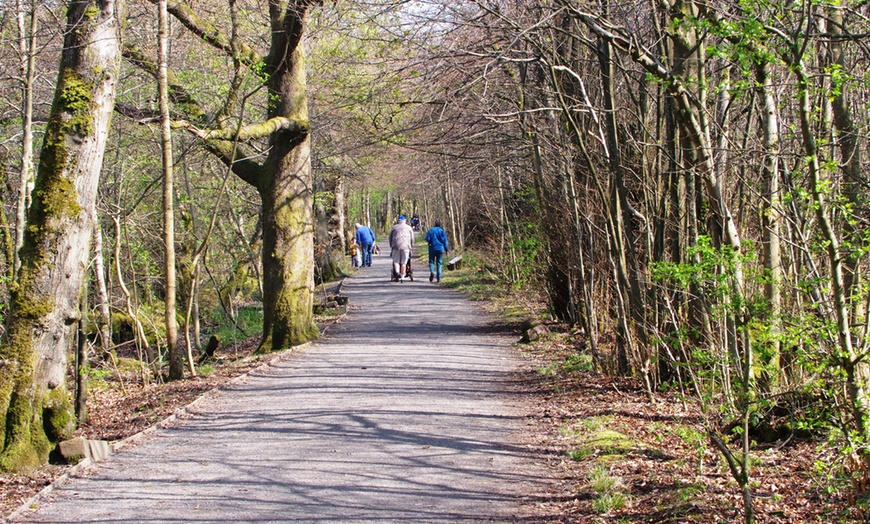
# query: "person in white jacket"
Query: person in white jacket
401,241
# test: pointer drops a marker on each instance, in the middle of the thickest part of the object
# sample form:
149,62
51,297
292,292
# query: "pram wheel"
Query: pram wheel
409,273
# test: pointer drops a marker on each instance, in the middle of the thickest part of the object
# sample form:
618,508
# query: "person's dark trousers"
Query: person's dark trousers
436,260
366,254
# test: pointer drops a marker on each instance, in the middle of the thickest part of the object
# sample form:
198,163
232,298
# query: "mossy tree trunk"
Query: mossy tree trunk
284,181
287,190
34,401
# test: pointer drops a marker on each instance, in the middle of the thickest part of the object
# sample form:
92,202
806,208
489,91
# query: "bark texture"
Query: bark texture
284,181
286,189
34,401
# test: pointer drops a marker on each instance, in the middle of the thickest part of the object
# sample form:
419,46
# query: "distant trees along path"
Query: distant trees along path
684,181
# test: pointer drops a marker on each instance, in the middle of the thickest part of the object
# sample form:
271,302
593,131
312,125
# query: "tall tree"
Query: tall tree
284,179
27,51
176,355
34,402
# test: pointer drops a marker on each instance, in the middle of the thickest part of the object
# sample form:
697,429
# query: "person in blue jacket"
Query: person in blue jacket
438,247
365,237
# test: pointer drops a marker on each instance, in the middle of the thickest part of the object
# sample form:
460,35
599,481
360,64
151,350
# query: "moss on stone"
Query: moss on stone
57,417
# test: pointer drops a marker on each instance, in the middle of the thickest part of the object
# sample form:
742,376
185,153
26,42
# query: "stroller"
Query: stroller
409,273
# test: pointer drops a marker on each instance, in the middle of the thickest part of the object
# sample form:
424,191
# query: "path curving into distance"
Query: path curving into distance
405,412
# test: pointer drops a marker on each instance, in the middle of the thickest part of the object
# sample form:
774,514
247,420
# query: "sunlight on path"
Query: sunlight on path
403,412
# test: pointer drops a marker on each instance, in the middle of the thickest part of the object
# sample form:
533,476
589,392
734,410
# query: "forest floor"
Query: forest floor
625,459
614,455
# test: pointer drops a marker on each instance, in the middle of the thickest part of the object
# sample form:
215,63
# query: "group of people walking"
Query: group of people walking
401,242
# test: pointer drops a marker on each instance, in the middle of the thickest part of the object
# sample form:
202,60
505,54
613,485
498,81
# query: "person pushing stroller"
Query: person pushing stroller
401,242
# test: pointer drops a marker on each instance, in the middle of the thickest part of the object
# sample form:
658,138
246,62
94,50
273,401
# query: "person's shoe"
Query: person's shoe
431,276
438,281
402,280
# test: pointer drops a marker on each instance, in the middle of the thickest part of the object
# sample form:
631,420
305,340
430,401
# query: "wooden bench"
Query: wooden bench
454,263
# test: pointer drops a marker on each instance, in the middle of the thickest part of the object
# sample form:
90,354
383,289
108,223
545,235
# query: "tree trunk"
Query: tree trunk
850,162
82,367
770,215
7,231
284,181
287,193
104,315
27,50
34,402
857,370
623,235
341,213
367,206
176,352
387,219
131,309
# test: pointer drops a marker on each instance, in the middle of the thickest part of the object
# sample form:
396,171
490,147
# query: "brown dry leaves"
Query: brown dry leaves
671,472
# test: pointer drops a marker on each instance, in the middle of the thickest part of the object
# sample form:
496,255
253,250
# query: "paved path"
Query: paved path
403,413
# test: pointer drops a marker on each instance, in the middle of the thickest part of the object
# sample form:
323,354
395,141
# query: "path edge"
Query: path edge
165,423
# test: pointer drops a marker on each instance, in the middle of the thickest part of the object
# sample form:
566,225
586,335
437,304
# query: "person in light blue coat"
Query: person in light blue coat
438,247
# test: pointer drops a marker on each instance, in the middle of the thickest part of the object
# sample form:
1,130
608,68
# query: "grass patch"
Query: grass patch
480,280
609,490
690,493
607,502
578,455
249,323
549,370
601,481
596,423
578,362
569,432
329,313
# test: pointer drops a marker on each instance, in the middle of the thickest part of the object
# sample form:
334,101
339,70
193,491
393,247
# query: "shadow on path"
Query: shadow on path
406,412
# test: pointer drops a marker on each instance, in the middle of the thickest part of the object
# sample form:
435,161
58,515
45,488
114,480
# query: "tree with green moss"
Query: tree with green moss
283,178
44,305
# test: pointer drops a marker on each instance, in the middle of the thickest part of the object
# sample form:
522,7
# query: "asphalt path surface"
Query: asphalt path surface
406,411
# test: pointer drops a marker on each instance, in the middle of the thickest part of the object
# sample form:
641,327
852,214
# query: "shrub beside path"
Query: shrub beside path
407,411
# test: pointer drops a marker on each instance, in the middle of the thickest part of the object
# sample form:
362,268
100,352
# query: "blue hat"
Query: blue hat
402,217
